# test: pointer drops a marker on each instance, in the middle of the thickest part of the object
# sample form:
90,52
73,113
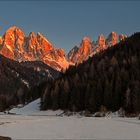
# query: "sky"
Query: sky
65,22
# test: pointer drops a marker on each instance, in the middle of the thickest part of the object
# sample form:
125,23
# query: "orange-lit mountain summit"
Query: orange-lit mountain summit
15,45
88,48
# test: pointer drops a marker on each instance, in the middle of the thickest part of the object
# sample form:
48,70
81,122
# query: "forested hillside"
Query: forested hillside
110,79
19,82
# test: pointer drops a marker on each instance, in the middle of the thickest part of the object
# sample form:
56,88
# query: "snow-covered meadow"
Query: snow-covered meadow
30,123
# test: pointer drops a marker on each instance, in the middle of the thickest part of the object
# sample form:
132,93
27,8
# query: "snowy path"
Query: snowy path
42,127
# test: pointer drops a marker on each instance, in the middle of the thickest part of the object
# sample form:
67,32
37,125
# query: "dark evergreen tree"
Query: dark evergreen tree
107,81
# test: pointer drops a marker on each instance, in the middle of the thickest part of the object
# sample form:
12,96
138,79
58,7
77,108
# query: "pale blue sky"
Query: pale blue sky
64,23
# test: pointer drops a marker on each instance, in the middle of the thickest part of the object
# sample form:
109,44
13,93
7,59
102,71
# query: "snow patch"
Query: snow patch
33,108
25,82
42,127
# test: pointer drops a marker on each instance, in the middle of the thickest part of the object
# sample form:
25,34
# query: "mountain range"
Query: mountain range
15,45
89,48
35,47
30,63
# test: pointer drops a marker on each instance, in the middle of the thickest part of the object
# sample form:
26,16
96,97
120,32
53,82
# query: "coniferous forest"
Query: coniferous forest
110,79
21,83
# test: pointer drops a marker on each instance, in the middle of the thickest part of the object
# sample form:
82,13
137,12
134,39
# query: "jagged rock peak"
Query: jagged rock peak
14,31
13,41
14,28
101,40
41,37
85,38
112,39
85,45
39,34
87,48
72,53
77,55
61,52
32,34
121,37
34,47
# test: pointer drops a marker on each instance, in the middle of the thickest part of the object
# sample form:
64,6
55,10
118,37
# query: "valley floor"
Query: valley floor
29,123
20,127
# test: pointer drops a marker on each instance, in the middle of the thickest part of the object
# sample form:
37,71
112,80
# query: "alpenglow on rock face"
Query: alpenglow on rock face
35,47
122,37
101,41
86,48
15,45
12,44
77,55
112,39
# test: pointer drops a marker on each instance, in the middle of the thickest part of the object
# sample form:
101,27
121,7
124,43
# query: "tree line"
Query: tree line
110,79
